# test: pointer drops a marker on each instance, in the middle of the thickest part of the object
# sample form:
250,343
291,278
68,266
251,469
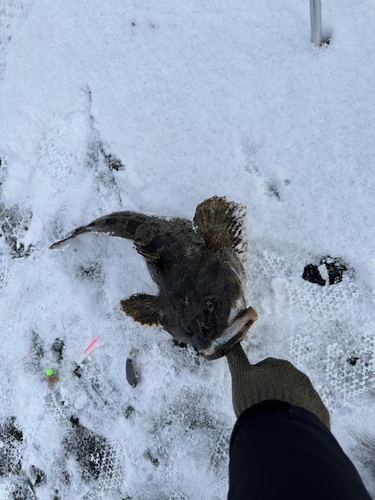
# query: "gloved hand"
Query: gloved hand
271,379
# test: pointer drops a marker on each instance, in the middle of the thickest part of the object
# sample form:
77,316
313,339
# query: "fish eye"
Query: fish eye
209,305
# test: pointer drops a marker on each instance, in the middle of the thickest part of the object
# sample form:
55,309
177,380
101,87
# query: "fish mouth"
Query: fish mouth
233,334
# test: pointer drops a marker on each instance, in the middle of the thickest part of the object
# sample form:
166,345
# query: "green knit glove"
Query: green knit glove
271,379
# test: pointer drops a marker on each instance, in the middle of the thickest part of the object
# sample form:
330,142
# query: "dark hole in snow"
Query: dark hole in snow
352,361
152,459
180,344
335,268
24,491
111,161
11,438
11,430
273,191
183,345
78,371
13,225
38,476
37,349
92,271
92,451
129,412
58,347
74,421
311,273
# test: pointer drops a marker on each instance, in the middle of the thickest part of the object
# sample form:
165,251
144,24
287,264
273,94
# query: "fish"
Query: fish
198,267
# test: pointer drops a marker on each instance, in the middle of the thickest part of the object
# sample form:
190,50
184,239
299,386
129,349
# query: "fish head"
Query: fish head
207,308
204,318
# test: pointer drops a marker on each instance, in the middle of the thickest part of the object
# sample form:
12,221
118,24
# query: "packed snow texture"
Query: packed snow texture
154,107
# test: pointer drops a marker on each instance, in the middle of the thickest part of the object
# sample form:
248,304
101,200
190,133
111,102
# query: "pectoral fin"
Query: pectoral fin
142,308
220,223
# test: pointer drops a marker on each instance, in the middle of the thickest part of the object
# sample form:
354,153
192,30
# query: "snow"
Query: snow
190,100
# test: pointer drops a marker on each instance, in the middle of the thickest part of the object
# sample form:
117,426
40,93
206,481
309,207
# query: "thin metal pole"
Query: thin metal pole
316,21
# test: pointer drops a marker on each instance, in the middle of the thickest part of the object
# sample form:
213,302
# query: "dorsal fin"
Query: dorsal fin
221,224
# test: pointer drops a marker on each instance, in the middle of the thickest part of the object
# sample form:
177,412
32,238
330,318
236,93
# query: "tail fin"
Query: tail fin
120,224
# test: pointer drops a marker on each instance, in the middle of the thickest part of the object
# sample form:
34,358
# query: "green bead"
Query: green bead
49,372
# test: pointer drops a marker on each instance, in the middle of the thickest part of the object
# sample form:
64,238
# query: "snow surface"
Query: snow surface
155,106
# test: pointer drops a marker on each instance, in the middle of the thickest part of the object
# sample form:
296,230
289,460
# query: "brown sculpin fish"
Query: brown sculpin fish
198,269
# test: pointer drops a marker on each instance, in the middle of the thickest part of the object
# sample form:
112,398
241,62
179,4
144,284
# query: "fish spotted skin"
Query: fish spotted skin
196,265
